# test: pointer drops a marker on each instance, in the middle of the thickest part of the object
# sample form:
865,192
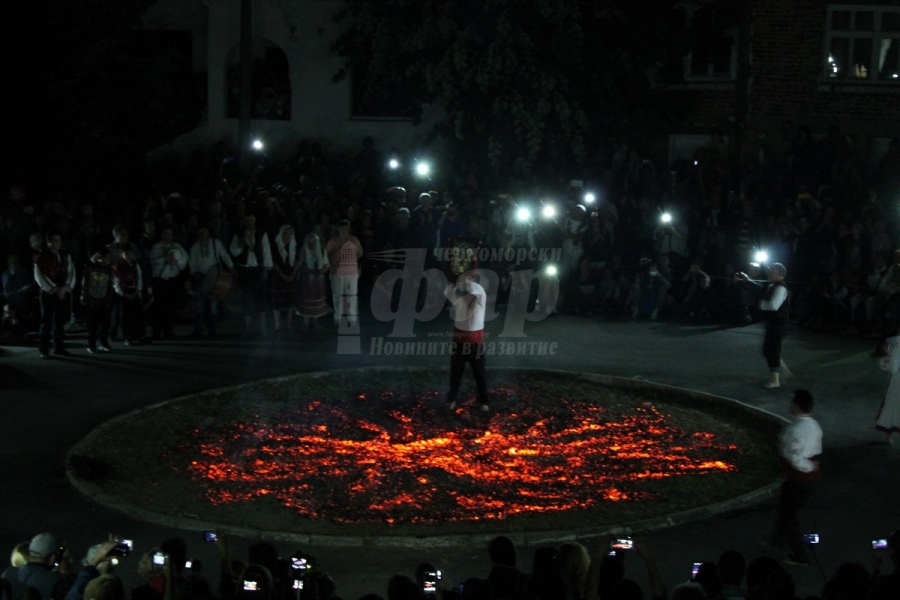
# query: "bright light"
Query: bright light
666,217
257,145
551,270
523,214
589,198
761,257
549,211
394,163
423,169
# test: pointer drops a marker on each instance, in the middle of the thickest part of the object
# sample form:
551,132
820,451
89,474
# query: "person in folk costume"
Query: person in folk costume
344,252
128,281
776,305
207,253
888,419
313,267
96,298
285,287
253,260
168,259
54,272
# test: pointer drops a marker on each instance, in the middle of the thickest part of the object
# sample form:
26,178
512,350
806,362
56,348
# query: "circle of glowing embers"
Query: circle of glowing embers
386,458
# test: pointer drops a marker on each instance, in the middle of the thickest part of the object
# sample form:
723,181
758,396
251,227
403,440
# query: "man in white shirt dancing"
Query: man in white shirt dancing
800,449
468,304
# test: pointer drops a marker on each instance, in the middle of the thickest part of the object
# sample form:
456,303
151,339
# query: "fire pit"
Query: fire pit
379,451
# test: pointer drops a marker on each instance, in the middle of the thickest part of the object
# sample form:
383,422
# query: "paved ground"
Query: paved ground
49,405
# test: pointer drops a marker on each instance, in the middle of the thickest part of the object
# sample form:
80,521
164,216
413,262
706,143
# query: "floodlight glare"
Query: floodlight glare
394,163
257,145
589,198
551,270
549,211
666,217
523,214
423,169
762,257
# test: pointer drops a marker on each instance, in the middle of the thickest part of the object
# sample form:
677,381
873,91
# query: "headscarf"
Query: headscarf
314,260
288,253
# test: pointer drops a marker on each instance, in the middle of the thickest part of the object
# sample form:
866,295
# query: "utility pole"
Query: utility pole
246,104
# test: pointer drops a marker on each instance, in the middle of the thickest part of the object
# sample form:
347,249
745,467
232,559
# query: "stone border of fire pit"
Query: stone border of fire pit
191,523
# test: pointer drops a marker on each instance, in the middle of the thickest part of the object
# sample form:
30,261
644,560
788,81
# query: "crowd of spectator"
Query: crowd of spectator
45,569
636,240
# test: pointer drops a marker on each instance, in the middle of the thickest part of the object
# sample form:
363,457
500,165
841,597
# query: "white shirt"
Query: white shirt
469,303
159,259
779,295
46,285
237,247
800,441
205,257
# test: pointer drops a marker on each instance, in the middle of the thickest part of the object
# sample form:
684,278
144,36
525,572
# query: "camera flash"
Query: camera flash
523,214
423,169
549,211
762,256
394,163
257,145
666,217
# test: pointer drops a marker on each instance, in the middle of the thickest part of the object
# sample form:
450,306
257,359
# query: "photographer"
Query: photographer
41,573
97,563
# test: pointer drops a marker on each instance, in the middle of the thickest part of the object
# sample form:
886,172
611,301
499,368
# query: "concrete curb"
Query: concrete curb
190,522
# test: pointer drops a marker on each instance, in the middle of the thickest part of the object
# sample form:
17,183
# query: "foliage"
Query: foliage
93,92
521,82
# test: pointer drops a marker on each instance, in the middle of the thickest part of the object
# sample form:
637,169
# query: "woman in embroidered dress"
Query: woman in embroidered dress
285,287
313,266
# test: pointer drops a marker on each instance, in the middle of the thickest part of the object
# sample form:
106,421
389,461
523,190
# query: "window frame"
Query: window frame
709,77
876,35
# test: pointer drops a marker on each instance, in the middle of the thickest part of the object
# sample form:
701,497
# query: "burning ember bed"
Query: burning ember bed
378,451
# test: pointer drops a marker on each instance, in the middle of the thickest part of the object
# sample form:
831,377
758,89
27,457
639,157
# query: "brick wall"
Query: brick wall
787,52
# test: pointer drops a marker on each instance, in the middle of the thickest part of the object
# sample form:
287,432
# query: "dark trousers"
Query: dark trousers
253,290
167,294
132,318
54,312
98,324
794,496
776,329
115,316
207,313
473,354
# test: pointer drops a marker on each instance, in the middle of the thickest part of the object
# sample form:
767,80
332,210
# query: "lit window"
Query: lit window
862,43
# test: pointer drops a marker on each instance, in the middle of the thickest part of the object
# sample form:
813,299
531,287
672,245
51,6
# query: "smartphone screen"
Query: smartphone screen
624,543
695,569
879,544
811,538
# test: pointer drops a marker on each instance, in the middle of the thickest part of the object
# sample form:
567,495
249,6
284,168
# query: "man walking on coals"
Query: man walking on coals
776,305
469,301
